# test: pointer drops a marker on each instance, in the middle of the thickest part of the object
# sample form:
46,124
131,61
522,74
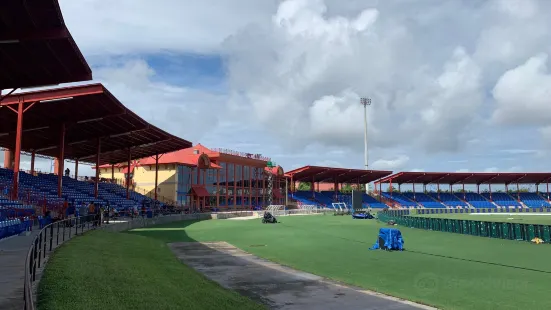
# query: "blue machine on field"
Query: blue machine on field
362,215
389,239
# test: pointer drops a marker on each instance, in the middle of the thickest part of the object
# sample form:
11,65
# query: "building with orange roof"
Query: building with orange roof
199,177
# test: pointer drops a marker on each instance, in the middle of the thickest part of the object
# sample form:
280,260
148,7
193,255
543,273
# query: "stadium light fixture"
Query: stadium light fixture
8,41
365,102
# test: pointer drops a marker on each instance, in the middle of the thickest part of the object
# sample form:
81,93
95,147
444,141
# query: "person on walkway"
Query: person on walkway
92,212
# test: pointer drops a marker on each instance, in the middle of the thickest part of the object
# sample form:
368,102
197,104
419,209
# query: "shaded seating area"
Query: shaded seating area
534,200
400,199
449,199
424,199
502,199
463,198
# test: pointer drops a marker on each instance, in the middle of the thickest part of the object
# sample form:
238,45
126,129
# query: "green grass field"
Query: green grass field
533,218
121,271
446,270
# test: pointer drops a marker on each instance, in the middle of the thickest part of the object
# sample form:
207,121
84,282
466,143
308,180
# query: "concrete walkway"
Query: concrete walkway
277,286
13,253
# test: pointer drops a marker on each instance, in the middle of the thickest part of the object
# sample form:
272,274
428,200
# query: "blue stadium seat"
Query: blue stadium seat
424,199
401,199
502,199
534,200
478,201
449,199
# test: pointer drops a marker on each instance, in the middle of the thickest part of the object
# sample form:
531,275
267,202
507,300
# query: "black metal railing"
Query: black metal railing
57,233
46,241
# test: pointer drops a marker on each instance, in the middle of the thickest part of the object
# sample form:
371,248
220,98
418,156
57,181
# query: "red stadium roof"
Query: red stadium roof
88,112
36,49
466,178
339,175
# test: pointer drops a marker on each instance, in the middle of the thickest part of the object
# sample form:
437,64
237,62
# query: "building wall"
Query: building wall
243,182
144,179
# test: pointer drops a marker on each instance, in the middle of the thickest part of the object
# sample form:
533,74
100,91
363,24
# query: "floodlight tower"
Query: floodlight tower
365,102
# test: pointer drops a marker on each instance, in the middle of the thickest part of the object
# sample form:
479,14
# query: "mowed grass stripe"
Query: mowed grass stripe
122,271
338,248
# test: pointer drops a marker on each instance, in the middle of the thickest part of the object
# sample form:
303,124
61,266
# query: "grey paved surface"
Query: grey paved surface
13,252
277,286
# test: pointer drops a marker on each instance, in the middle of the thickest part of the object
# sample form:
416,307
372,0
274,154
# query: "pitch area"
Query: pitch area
445,270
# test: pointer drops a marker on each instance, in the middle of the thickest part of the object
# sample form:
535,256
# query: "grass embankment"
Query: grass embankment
122,271
446,270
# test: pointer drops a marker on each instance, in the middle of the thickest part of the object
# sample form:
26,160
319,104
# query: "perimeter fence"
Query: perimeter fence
489,229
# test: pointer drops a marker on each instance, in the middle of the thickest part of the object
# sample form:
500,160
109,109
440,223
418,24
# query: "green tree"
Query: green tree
305,186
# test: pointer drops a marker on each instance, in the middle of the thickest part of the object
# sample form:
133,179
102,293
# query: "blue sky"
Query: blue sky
454,86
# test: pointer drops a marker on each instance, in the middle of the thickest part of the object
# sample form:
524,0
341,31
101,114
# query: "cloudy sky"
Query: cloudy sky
455,85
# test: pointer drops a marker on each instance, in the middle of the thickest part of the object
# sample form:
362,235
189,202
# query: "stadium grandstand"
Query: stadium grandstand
85,124
316,176
205,179
461,198
36,50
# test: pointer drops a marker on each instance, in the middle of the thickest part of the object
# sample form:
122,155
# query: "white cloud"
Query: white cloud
185,112
329,163
462,170
519,151
310,69
491,169
297,68
417,170
141,26
397,162
522,94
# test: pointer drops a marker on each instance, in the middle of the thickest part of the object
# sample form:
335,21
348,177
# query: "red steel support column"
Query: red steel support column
250,187
128,174
33,156
413,191
76,169
518,192
156,175
263,187
218,188
8,159
96,182
242,185
234,185
490,190
227,165
17,151
61,160
464,194
112,173
313,188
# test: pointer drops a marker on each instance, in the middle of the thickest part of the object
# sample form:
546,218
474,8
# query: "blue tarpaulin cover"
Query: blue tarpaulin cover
392,238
